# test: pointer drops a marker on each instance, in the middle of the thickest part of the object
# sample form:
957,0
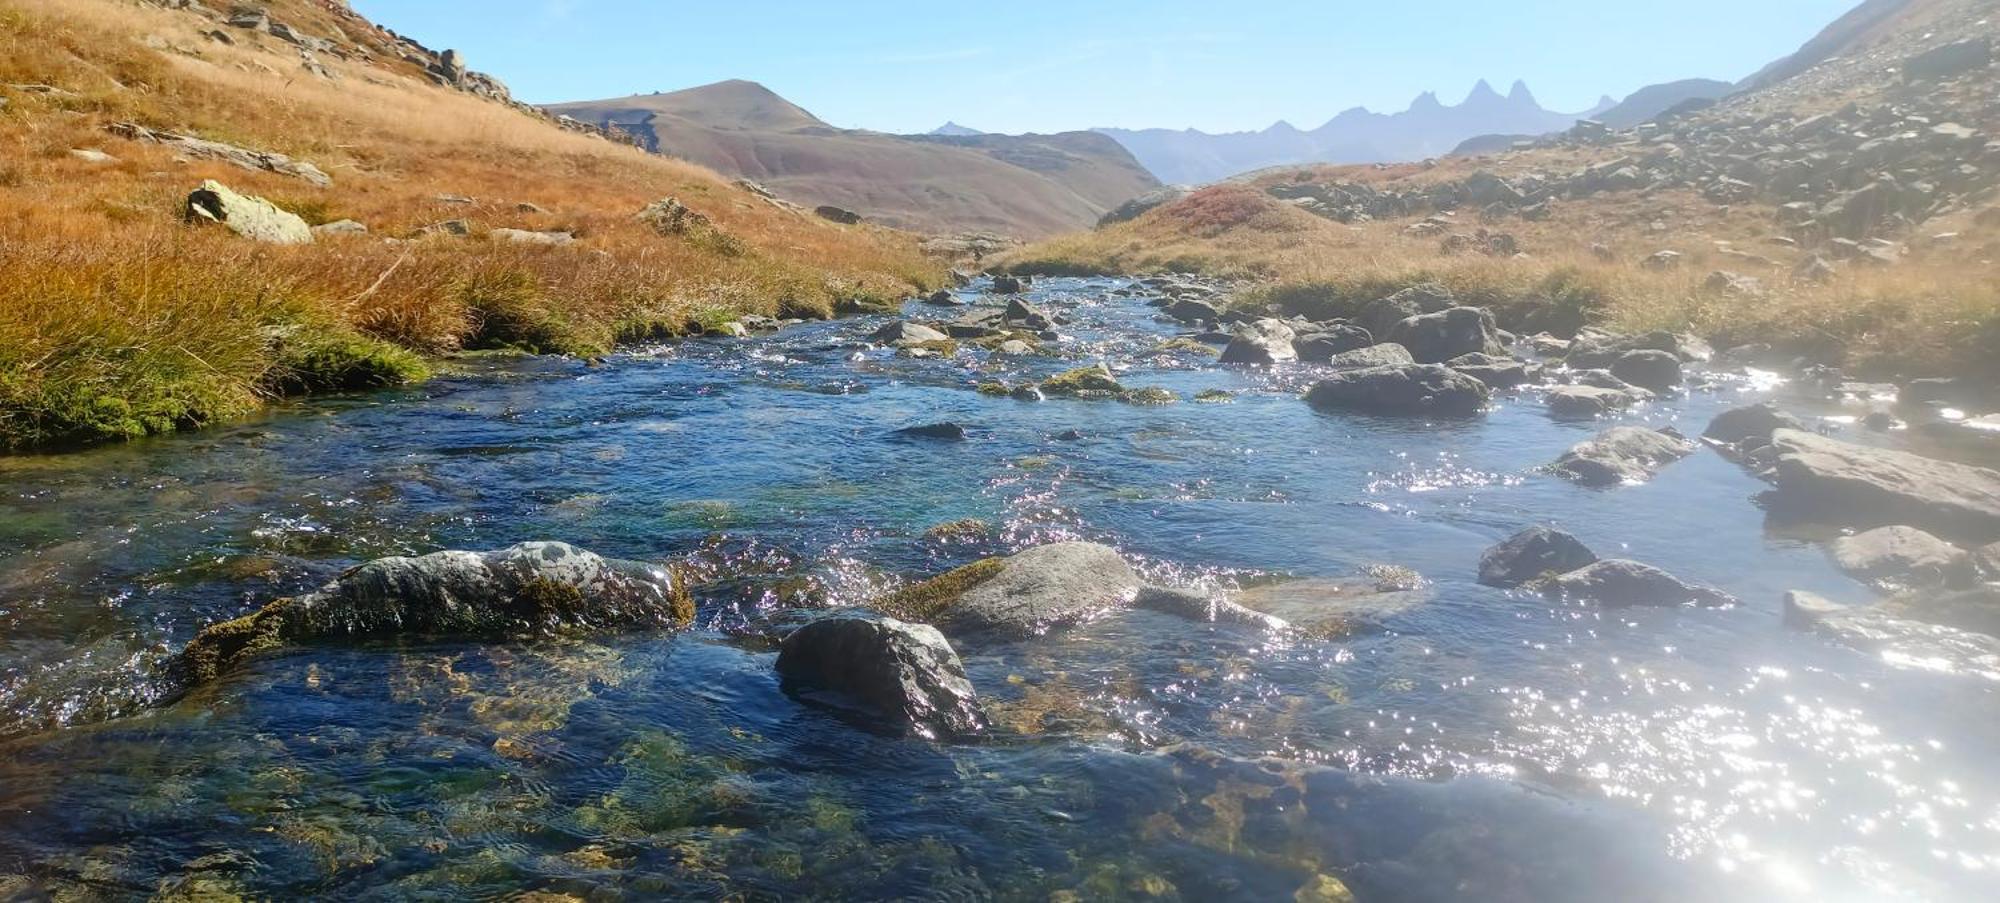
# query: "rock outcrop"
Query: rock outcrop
251,217
203,149
1863,486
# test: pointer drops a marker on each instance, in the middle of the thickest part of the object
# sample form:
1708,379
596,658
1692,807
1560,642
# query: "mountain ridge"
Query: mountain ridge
1027,185
1426,128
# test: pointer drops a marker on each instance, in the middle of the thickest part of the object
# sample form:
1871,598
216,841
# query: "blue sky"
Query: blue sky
1033,65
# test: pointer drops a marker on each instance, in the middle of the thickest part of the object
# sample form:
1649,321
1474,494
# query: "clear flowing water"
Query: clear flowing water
1477,744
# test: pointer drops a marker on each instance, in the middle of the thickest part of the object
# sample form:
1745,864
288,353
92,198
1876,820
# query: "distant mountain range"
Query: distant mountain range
1429,128
1026,186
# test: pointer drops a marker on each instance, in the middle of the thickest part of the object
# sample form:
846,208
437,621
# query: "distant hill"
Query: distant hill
1649,102
954,129
1027,186
1429,128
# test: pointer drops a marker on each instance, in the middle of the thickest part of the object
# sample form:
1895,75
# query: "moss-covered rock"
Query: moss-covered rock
925,601
533,589
1151,395
1084,382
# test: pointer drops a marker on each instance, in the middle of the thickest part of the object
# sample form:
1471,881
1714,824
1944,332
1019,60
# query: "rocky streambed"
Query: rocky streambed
1090,589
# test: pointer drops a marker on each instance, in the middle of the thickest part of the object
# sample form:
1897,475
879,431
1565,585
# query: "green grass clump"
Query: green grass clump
511,312
343,361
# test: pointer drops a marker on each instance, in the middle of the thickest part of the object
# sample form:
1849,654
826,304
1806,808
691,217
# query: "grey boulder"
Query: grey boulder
1438,337
1402,390
1265,341
1854,484
904,675
1387,354
1649,368
1902,558
251,217
1045,588
1531,555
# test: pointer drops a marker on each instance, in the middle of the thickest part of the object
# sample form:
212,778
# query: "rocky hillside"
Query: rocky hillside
1028,186
1847,211
203,208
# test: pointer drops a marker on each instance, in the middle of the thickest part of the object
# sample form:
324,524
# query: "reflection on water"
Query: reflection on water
1446,740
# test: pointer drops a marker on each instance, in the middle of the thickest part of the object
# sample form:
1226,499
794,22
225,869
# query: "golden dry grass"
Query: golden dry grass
109,304
1936,312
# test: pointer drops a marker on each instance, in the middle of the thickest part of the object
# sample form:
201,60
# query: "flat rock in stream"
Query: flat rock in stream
905,675
529,590
1750,427
1386,354
1586,402
1622,455
1197,606
1027,594
1863,486
1334,606
1902,558
1618,583
1405,390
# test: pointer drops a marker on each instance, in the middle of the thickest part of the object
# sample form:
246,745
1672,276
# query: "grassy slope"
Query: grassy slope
117,320
1936,312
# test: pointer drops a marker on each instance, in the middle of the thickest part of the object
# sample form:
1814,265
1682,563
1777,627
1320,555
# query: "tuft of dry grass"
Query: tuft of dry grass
1937,312
119,320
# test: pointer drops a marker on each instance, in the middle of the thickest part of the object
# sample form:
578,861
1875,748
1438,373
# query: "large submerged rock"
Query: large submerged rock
1859,485
904,674
532,589
1028,594
1901,558
1618,583
1405,390
1621,455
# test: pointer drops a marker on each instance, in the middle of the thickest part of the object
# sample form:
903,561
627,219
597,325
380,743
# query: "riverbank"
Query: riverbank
441,217
1934,311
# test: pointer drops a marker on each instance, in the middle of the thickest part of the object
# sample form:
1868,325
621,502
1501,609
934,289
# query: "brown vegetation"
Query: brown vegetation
116,319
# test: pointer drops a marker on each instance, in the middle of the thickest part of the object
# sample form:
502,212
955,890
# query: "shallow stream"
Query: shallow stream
1471,733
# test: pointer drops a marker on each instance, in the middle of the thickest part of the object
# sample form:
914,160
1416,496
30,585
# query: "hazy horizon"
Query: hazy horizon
1171,65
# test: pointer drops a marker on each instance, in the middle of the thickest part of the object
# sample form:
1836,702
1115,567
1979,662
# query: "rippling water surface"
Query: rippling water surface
1468,733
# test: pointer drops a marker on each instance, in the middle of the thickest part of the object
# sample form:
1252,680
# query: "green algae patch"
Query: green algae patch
923,602
1214,396
939,347
220,648
1185,345
969,529
994,390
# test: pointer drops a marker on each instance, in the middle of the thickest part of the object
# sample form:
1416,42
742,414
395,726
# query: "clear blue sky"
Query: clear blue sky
1034,65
